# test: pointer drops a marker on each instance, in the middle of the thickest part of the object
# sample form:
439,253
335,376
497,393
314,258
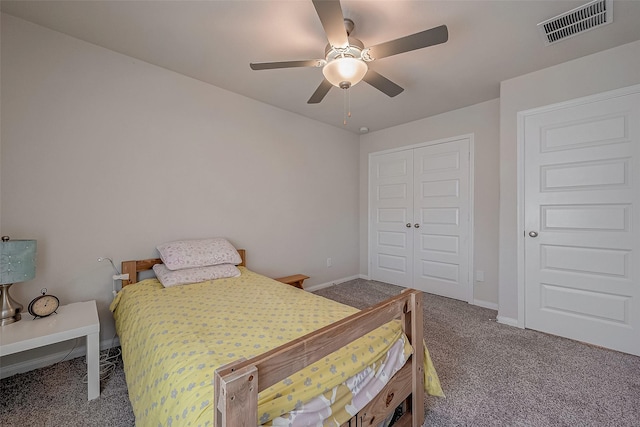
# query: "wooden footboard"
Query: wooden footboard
237,384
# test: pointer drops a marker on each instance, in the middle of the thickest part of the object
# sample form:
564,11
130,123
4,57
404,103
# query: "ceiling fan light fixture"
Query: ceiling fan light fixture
343,70
346,58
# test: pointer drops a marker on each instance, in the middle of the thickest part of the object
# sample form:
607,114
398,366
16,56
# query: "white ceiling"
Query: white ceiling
214,41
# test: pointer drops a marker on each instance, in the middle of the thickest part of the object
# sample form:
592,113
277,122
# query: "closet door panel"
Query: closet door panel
390,210
441,210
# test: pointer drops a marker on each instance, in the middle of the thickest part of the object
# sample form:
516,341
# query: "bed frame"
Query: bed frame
236,385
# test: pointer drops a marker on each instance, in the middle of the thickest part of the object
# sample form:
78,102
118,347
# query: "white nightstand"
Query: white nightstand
71,321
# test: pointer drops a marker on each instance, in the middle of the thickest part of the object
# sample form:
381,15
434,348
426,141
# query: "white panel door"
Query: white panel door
441,213
391,210
582,219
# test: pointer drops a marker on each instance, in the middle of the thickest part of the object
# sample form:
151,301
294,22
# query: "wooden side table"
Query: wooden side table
71,321
296,280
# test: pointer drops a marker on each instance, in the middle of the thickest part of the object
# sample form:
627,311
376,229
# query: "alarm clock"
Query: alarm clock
43,305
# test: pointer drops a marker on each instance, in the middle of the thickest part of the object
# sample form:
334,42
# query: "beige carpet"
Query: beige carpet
493,375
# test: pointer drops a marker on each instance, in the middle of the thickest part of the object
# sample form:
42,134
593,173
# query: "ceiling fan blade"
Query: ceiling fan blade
320,93
287,64
330,14
382,83
415,41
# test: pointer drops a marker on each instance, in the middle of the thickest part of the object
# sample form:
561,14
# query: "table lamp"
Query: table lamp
17,264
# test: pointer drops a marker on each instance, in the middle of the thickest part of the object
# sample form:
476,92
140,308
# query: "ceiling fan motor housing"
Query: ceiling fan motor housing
354,50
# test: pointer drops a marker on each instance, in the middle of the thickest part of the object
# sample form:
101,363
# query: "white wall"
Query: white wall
483,121
105,155
607,70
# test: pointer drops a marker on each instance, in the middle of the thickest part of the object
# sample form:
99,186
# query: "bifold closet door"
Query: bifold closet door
419,205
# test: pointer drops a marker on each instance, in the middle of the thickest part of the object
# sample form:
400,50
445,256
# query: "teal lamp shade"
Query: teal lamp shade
17,261
17,264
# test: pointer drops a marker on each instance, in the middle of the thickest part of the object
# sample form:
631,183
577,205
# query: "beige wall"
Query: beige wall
105,155
480,120
611,69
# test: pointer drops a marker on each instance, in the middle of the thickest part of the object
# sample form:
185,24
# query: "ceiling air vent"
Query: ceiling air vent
584,18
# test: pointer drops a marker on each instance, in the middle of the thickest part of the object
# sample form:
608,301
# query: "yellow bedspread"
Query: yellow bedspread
174,338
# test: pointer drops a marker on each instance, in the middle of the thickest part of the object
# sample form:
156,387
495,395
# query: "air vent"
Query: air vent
584,18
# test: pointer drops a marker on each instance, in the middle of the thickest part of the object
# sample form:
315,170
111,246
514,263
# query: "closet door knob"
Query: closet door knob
533,234
416,225
408,225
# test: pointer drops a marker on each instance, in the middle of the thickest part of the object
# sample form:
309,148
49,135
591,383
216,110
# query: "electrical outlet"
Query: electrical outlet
328,262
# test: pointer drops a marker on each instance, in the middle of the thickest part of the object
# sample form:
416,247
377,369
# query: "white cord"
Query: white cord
115,277
110,261
75,343
107,362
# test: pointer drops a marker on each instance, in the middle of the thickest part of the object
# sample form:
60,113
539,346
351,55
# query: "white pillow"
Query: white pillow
185,276
198,253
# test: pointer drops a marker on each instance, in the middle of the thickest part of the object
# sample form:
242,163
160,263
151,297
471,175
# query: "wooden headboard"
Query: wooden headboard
132,268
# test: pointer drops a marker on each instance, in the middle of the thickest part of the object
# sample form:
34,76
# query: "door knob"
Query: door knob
416,225
408,225
533,234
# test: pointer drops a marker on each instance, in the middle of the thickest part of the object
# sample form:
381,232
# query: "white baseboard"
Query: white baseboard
509,321
319,286
364,277
485,304
51,359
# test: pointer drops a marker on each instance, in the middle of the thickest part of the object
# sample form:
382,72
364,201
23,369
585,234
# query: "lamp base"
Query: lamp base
11,309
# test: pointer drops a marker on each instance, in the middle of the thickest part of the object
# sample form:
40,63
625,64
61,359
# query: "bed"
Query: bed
323,363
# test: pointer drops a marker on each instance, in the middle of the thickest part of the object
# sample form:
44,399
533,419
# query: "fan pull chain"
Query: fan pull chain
344,108
347,105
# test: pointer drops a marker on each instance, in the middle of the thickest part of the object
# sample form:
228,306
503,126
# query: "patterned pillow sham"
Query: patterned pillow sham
185,276
182,254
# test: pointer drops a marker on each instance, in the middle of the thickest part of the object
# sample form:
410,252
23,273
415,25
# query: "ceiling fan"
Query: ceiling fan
346,59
